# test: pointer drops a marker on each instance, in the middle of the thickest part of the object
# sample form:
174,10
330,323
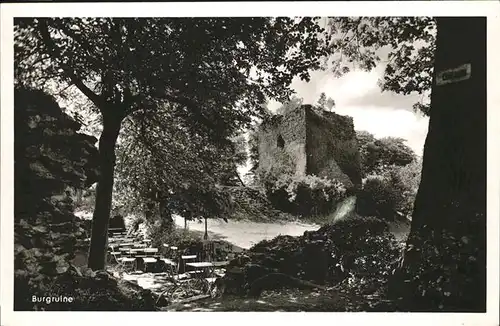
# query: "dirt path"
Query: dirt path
244,234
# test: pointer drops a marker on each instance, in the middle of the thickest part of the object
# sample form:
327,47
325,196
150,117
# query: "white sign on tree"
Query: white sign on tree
453,75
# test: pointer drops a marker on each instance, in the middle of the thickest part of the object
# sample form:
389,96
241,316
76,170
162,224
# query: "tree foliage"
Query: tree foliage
173,165
169,58
391,192
293,103
325,103
408,41
216,72
377,155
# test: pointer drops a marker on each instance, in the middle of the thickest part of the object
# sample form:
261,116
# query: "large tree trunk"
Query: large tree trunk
444,264
104,192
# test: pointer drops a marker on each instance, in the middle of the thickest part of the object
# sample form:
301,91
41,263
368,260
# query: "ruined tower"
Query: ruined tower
306,142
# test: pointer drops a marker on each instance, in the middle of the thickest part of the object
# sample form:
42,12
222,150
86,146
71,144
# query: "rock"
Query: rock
50,155
51,159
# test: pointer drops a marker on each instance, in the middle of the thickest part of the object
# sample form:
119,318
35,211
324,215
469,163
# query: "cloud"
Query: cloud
385,99
384,122
351,86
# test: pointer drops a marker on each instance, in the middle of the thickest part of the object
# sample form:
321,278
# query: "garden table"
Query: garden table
126,244
149,250
206,266
149,260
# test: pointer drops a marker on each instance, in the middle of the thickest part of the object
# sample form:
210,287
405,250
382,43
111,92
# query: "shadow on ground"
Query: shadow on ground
288,300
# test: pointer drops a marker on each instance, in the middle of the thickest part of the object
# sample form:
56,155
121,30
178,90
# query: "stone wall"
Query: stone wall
282,143
331,147
52,160
305,142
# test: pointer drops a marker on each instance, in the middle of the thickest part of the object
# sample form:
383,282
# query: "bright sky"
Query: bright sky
357,94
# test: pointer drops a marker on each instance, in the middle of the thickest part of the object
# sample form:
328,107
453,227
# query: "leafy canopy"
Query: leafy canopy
408,41
218,71
377,155
187,85
173,164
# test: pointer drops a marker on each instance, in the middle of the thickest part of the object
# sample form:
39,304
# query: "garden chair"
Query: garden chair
126,264
208,253
170,266
185,259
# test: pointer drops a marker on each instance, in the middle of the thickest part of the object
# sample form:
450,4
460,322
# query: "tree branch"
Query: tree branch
49,42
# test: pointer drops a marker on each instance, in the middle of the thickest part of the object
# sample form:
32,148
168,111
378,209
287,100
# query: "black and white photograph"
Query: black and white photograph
250,163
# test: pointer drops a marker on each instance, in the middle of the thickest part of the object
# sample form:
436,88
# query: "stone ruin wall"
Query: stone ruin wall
324,145
292,155
332,149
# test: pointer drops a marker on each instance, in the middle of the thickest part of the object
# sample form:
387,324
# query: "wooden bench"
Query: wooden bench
126,259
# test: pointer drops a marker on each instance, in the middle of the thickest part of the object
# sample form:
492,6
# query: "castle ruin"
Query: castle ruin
311,143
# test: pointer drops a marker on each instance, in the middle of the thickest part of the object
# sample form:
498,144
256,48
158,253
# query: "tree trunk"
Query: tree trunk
104,192
444,262
205,236
149,212
165,215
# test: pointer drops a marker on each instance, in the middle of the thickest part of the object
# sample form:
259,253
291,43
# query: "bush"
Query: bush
379,197
442,272
390,194
305,195
356,252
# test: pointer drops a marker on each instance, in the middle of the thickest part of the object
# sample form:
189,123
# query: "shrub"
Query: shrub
442,272
305,195
390,193
356,253
379,197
